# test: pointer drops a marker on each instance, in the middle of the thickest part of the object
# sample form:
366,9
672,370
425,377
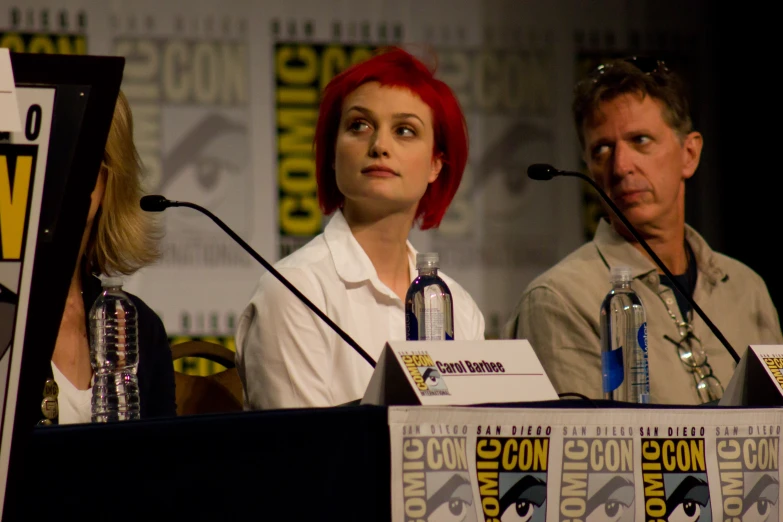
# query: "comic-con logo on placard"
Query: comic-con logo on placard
425,373
775,365
676,487
436,483
190,100
749,473
302,70
512,473
597,483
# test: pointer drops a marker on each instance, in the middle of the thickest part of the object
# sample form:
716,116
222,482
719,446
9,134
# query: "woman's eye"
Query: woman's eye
406,131
358,126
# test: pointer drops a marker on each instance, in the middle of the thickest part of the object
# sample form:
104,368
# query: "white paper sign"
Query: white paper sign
758,378
9,106
558,465
458,372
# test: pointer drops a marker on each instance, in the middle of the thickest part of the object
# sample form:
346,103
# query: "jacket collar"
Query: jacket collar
616,251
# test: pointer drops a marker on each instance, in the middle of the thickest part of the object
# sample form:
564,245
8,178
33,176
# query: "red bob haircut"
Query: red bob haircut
394,67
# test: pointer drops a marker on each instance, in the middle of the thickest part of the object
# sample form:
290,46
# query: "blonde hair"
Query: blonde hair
123,238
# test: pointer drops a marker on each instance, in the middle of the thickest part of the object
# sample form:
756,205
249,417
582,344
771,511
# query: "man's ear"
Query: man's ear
691,153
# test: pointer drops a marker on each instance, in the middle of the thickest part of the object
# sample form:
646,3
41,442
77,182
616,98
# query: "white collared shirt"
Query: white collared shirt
289,358
75,405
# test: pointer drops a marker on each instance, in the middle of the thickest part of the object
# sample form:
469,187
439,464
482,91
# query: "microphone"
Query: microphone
544,172
157,203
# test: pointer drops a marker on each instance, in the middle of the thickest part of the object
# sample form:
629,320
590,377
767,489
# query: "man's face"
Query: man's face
640,161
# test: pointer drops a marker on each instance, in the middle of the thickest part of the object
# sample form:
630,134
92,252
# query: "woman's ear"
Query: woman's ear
437,166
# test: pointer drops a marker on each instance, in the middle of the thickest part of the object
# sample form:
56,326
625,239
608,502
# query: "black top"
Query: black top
156,368
686,280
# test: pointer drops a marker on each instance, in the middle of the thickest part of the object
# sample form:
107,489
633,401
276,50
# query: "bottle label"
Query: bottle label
612,365
641,337
433,324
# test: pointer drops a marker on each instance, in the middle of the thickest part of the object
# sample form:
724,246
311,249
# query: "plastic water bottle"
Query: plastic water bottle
626,375
429,315
114,354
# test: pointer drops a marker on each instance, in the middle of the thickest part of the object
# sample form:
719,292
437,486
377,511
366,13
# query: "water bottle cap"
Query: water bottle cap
427,260
621,274
110,281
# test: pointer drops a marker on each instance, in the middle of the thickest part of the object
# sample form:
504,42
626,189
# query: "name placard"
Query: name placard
458,372
758,378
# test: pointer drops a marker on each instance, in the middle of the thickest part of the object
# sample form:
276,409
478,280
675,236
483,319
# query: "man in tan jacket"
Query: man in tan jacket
639,145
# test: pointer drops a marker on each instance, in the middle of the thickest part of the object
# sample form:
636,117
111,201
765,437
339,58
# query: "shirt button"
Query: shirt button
653,279
669,300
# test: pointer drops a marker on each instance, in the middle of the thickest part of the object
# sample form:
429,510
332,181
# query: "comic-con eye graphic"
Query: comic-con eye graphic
688,501
433,379
206,168
452,502
761,503
612,503
8,303
523,501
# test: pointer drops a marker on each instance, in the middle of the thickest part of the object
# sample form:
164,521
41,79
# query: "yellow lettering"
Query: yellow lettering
300,216
434,459
510,454
297,130
297,64
13,41
697,455
574,484
412,449
13,207
541,451
669,455
488,483
488,454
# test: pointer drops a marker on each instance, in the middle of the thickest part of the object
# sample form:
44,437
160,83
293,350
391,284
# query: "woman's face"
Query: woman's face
384,157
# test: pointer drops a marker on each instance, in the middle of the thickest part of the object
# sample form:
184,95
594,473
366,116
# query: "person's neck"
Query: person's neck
668,243
385,241
74,289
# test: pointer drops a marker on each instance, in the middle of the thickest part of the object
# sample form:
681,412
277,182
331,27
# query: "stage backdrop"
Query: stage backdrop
225,95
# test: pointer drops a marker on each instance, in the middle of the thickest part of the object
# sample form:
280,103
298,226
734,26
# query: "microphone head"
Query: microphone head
154,203
542,172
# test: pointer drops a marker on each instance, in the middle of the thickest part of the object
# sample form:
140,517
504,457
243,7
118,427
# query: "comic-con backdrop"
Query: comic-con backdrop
225,96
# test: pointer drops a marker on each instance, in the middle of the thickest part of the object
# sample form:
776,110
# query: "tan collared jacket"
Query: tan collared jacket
559,314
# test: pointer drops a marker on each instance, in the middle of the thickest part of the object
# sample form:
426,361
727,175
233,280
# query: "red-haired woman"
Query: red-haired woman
391,145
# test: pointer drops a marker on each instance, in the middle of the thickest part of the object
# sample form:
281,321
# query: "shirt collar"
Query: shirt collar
352,263
616,251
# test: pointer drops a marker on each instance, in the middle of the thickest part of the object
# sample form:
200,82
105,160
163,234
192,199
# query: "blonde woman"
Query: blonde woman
119,238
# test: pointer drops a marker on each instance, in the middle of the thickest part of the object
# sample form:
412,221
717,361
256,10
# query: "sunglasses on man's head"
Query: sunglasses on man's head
647,65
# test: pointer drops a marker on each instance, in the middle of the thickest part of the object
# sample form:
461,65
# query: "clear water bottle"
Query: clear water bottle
114,354
626,375
429,314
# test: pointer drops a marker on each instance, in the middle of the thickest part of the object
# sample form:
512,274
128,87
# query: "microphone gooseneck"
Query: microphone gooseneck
538,171
157,203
